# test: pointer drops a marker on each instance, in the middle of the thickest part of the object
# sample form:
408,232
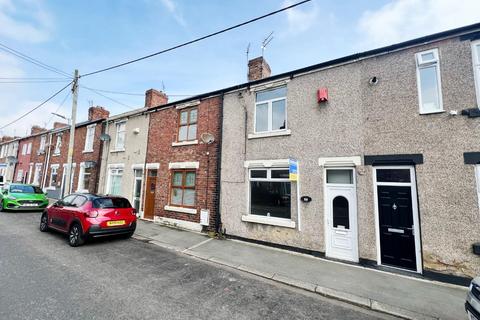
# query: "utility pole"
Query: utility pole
71,141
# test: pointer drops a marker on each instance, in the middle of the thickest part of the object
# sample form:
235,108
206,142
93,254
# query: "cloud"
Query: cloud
34,27
300,20
400,20
173,9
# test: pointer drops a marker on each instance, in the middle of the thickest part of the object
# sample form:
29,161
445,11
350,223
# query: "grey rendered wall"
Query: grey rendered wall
359,120
135,151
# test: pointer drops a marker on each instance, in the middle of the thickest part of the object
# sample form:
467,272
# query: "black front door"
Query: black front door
397,240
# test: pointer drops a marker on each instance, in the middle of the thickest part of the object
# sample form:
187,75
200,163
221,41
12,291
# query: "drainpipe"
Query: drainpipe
218,217
106,148
99,162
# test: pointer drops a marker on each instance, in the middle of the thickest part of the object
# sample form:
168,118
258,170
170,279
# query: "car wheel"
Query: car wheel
1,207
75,235
44,222
127,235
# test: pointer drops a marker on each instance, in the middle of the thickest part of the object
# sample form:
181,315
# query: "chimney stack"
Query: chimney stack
155,98
58,125
258,68
96,113
37,129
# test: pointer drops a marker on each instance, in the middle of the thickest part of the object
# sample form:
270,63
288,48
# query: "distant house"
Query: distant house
8,158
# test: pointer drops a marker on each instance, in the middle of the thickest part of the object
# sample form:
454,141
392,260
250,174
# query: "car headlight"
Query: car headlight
12,198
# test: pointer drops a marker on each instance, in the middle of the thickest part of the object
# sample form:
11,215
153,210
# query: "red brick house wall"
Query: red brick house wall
163,130
79,155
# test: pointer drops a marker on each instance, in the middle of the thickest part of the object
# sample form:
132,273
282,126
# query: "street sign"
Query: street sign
293,169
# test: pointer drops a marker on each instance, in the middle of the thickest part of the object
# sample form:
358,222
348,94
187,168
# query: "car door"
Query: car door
62,213
75,210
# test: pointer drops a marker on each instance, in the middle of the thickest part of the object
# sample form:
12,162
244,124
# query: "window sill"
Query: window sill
432,112
184,143
82,191
180,209
56,154
279,222
270,134
87,151
117,150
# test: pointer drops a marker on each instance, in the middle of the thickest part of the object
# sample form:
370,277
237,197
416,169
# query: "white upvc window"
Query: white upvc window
270,192
43,142
58,145
29,148
89,138
271,110
24,149
476,68
54,175
120,135
38,174
115,174
428,81
84,178
20,175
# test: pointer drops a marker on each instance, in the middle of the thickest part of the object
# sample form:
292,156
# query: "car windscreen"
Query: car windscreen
105,203
25,189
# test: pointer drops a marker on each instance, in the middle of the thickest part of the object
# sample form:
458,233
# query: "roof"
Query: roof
467,32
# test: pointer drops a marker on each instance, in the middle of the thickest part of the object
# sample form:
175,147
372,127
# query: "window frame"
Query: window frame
53,167
475,45
188,124
81,178
267,179
43,143
110,174
420,64
183,187
29,148
270,111
117,131
477,179
58,145
89,138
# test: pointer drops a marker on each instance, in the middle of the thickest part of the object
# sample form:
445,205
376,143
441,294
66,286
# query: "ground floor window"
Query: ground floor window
84,178
115,181
53,176
183,188
38,174
137,188
270,193
20,175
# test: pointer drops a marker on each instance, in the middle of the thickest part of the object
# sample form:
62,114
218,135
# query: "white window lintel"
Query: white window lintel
184,165
340,161
266,163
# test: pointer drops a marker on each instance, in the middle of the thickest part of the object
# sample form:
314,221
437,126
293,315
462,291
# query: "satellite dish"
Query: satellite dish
104,137
207,138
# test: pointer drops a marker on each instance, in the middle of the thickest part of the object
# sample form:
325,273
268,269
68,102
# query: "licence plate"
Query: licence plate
115,223
471,316
30,205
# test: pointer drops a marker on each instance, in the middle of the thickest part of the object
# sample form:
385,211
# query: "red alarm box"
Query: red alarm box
322,95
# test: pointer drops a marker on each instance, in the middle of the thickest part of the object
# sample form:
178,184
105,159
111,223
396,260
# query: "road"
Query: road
41,277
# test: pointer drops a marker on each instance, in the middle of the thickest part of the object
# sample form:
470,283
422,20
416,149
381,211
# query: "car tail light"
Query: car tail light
91,214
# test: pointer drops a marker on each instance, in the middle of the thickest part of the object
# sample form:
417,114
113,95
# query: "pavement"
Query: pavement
43,278
399,295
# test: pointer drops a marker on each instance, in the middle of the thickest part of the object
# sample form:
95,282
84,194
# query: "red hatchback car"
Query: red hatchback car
83,216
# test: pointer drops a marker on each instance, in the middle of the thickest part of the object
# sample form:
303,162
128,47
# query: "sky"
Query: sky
91,35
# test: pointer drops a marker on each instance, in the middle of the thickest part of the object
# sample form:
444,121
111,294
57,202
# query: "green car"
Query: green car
18,196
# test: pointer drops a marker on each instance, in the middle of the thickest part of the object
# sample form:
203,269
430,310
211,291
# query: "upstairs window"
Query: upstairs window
120,136
428,81
29,148
476,67
89,138
271,110
58,145
187,129
24,150
43,142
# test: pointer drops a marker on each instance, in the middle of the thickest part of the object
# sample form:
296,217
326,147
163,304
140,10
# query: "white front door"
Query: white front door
341,214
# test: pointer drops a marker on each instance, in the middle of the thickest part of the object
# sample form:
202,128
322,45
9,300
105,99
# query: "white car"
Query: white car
472,305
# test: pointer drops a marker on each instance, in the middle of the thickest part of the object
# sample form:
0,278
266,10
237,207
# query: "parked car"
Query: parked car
472,305
84,216
17,196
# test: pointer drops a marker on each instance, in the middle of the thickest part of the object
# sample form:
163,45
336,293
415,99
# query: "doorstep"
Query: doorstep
378,290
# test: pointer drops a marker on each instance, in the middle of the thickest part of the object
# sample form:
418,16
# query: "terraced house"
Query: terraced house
8,158
372,158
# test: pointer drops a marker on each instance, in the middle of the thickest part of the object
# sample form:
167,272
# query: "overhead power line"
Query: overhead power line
33,60
40,105
196,40
137,94
106,97
34,81
58,109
